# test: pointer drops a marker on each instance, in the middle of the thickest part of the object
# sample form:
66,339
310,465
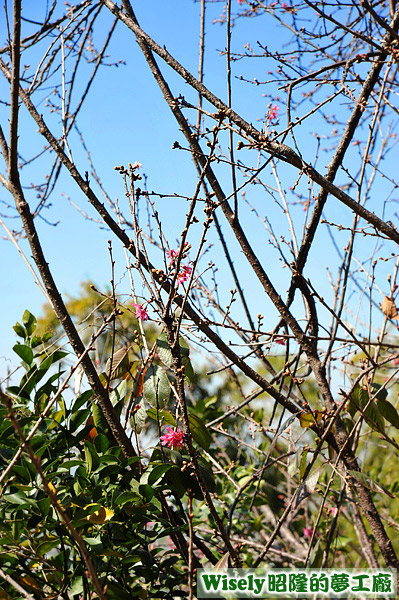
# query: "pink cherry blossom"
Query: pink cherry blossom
308,532
172,253
136,165
334,511
185,270
184,274
141,313
172,438
273,113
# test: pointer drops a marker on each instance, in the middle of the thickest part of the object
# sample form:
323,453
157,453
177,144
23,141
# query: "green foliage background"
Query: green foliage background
139,548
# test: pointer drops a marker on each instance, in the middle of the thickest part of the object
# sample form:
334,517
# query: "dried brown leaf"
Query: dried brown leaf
389,309
119,365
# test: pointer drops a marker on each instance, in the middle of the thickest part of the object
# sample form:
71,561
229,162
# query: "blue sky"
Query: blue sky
76,249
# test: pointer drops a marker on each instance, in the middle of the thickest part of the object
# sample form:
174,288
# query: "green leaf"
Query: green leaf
58,355
50,360
164,351
307,419
19,498
116,592
349,425
40,403
119,392
316,557
157,473
138,418
199,432
39,442
24,352
185,359
68,464
353,402
177,481
388,411
146,492
109,459
372,416
308,486
91,457
29,321
46,364
207,475
47,545
77,587
77,488
35,341
126,497
188,371
369,483
100,422
19,330
302,466
294,462
44,506
58,416
382,394
47,388
61,404
342,542
23,473
82,399
156,388
119,407
166,355
77,418
163,416
101,443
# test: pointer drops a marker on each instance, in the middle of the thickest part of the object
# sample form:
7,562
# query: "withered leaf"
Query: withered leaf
119,365
389,309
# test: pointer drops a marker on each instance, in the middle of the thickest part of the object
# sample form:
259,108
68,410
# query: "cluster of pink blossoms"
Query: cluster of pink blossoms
141,312
185,270
172,254
273,113
172,439
184,274
283,5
